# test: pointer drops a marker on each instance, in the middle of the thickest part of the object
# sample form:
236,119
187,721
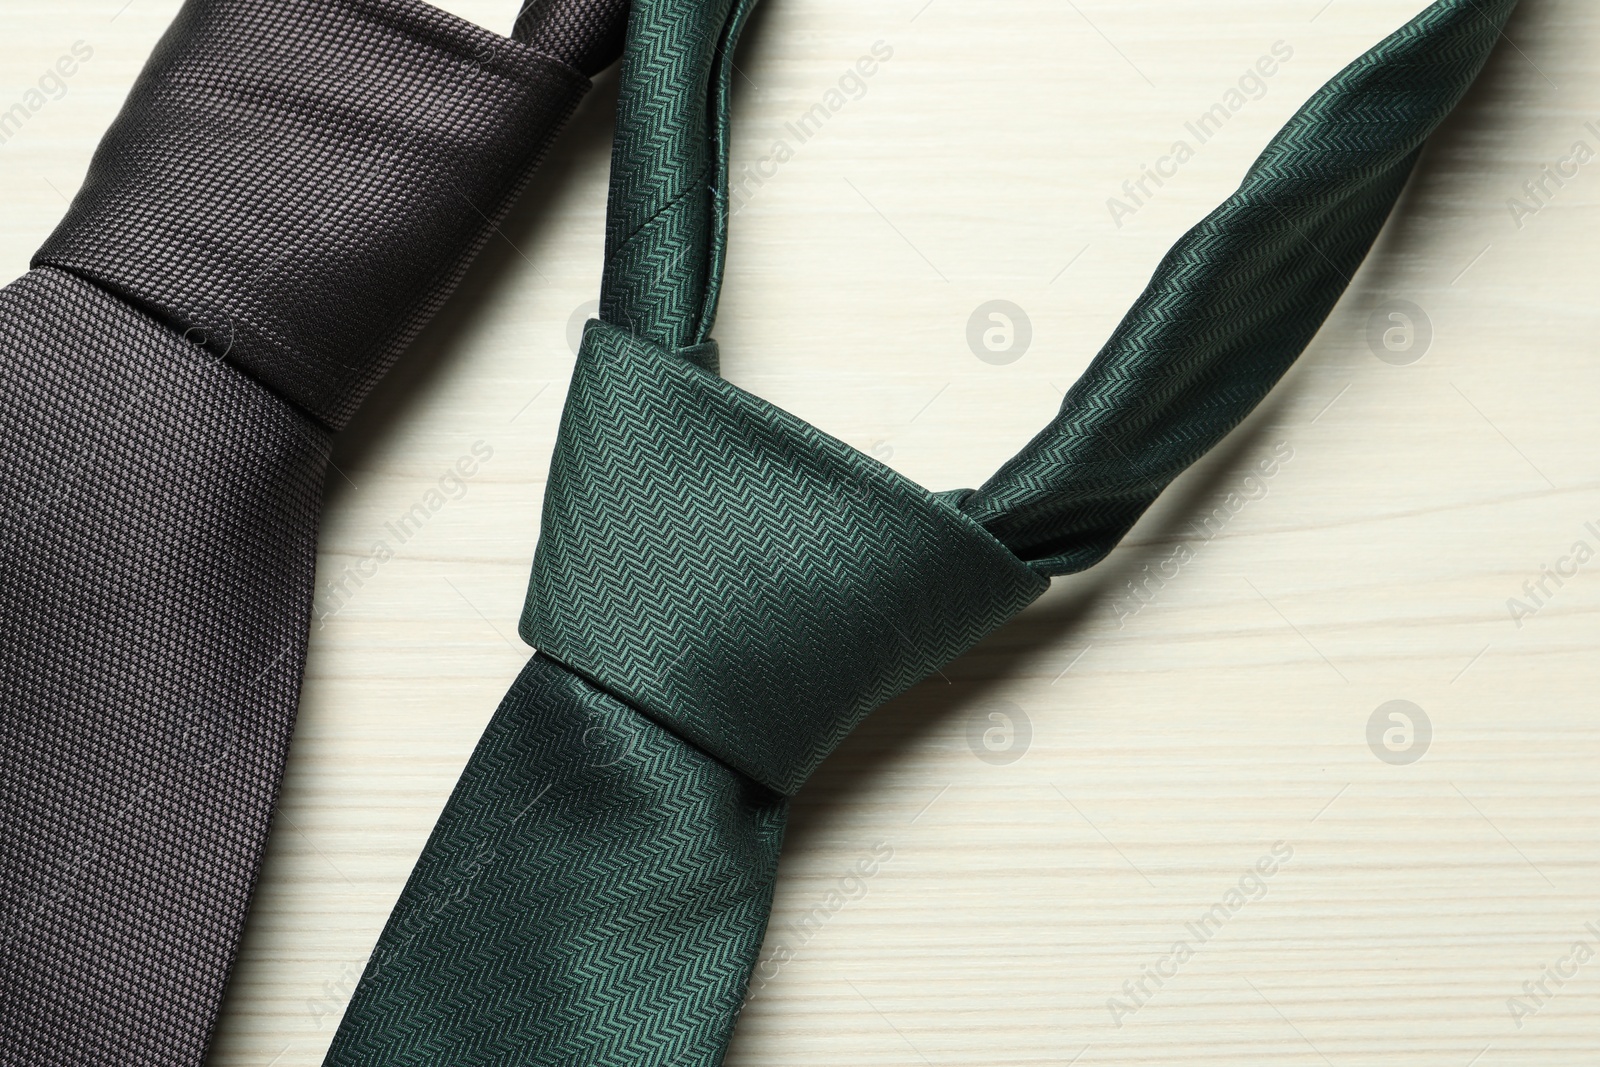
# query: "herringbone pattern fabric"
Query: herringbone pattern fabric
821,583
292,187
595,893
668,172
1238,298
741,588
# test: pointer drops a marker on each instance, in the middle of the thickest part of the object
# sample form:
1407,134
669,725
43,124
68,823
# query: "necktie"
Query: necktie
289,193
721,591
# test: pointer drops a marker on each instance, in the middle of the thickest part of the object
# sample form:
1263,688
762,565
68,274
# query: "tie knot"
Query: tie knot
741,577
299,184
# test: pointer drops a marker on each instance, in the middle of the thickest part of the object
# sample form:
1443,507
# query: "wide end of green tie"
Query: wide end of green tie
595,892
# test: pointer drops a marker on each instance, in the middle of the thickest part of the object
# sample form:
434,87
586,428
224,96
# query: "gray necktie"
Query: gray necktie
291,190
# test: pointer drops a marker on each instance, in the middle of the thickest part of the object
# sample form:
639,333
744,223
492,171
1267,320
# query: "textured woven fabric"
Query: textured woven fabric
155,567
339,163
586,35
819,582
565,906
667,210
705,554
1238,298
292,187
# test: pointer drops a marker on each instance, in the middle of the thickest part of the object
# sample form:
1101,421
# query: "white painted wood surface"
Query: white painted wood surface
1172,743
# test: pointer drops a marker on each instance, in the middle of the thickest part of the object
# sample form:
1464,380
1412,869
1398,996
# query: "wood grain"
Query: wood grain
1173,739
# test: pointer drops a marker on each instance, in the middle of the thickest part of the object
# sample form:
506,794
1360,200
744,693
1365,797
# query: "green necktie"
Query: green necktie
721,591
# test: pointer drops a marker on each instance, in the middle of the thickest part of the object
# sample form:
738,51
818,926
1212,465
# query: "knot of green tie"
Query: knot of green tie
744,579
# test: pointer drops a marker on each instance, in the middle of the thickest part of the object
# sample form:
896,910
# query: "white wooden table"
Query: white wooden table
1039,877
